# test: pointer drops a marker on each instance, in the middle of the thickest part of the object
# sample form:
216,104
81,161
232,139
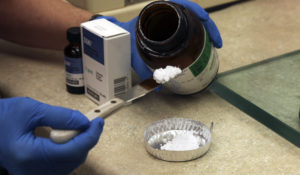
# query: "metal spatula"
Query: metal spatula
140,90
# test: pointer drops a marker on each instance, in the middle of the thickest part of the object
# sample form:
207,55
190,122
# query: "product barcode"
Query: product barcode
93,94
121,85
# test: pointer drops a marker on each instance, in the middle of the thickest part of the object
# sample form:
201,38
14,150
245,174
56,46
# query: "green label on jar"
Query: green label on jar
199,65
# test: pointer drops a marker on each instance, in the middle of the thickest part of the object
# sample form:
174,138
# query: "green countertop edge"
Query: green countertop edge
251,109
257,113
258,63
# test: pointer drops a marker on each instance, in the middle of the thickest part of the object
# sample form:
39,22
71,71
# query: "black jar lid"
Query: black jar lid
73,34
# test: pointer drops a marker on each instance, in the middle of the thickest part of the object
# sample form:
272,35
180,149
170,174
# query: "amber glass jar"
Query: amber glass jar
170,34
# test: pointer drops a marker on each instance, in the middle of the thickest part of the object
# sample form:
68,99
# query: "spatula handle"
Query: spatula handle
62,136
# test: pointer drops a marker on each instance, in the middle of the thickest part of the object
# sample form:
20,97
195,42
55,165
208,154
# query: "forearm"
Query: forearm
39,23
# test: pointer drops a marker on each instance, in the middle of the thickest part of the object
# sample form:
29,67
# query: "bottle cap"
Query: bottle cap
73,34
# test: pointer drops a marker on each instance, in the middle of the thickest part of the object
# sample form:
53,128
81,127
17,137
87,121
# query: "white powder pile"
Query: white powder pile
183,141
163,75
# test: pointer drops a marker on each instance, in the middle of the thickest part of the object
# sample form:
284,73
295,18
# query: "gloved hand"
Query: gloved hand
137,63
208,23
22,153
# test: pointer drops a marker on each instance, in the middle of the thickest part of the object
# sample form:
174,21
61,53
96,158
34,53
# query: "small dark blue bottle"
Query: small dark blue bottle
73,62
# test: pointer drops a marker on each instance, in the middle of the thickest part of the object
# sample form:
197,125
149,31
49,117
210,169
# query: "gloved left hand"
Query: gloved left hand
136,61
23,153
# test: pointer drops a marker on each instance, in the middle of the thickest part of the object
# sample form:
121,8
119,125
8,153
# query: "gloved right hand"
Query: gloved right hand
203,16
22,153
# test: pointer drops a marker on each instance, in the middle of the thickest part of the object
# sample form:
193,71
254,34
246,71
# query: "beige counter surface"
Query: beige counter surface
251,31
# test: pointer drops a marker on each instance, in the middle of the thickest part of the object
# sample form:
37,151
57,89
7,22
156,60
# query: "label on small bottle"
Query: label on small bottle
74,72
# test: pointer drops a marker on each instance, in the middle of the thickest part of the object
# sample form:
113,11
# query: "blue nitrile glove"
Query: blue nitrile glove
23,153
136,61
208,23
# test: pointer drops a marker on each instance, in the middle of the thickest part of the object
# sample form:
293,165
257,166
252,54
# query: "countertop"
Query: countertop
251,31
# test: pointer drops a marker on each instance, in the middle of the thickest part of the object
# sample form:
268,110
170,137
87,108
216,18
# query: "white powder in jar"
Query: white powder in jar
163,75
183,141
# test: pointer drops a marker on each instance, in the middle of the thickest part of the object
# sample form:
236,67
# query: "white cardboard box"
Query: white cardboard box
106,60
